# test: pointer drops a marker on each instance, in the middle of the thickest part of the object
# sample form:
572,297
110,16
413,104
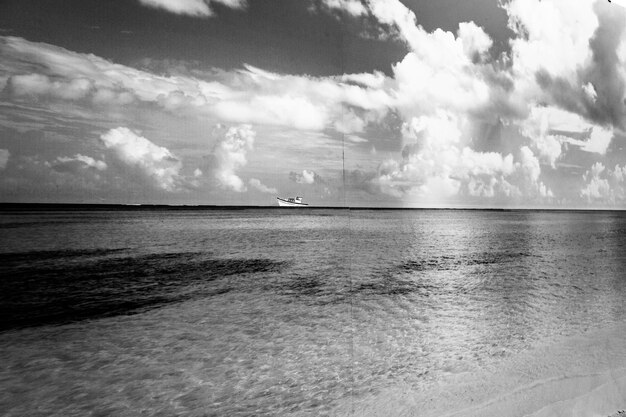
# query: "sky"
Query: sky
372,103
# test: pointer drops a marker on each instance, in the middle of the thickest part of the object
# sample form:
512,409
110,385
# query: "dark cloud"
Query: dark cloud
362,180
606,106
604,73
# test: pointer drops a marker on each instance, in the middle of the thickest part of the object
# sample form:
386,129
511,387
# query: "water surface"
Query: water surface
278,312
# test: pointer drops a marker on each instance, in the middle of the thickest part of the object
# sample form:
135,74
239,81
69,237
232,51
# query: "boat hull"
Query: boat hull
285,203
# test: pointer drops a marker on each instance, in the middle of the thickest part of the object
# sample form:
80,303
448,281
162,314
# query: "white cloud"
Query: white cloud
604,185
438,166
37,84
79,161
474,39
596,188
373,80
250,95
198,8
352,7
599,140
549,127
297,112
538,128
4,158
436,163
590,90
78,73
551,35
529,165
550,88
156,162
231,152
306,177
257,184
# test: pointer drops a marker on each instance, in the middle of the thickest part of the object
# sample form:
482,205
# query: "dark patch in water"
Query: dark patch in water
393,286
16,225
308,286
447,263
26,259
74,288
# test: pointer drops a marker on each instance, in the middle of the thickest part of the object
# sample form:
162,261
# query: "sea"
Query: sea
300,312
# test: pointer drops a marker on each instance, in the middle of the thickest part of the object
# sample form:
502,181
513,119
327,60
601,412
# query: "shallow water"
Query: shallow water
274,312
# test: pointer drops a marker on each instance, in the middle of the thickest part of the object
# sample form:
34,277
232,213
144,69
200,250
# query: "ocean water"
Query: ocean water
289,312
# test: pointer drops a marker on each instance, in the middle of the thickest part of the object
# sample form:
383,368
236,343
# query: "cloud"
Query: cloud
373,80
256,184
37,84
197,8
438,166
476,43
231,152
571,56
297,112
552,36
599,141
249,95
306,177
43,69
352,7
470,126
4,158
604,185
550,127
154,161
77,163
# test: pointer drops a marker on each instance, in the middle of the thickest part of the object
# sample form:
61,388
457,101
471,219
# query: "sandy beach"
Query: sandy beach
577,376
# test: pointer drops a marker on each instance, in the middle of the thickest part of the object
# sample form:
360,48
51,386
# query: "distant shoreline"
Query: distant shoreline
8,207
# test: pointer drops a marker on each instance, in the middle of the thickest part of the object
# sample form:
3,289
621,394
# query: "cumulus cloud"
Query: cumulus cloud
571,56
231,154
551,36
258,185
198,8
549,128
438,165
4,158
604,185
474,39
156,162
77,163
561,86
306,177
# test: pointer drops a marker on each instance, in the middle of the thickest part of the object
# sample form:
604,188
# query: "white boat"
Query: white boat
291,202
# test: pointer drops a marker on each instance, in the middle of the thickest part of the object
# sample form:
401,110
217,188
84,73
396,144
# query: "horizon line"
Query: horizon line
12,206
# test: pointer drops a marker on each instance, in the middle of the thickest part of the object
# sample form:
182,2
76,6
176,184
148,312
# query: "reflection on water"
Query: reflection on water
270,312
